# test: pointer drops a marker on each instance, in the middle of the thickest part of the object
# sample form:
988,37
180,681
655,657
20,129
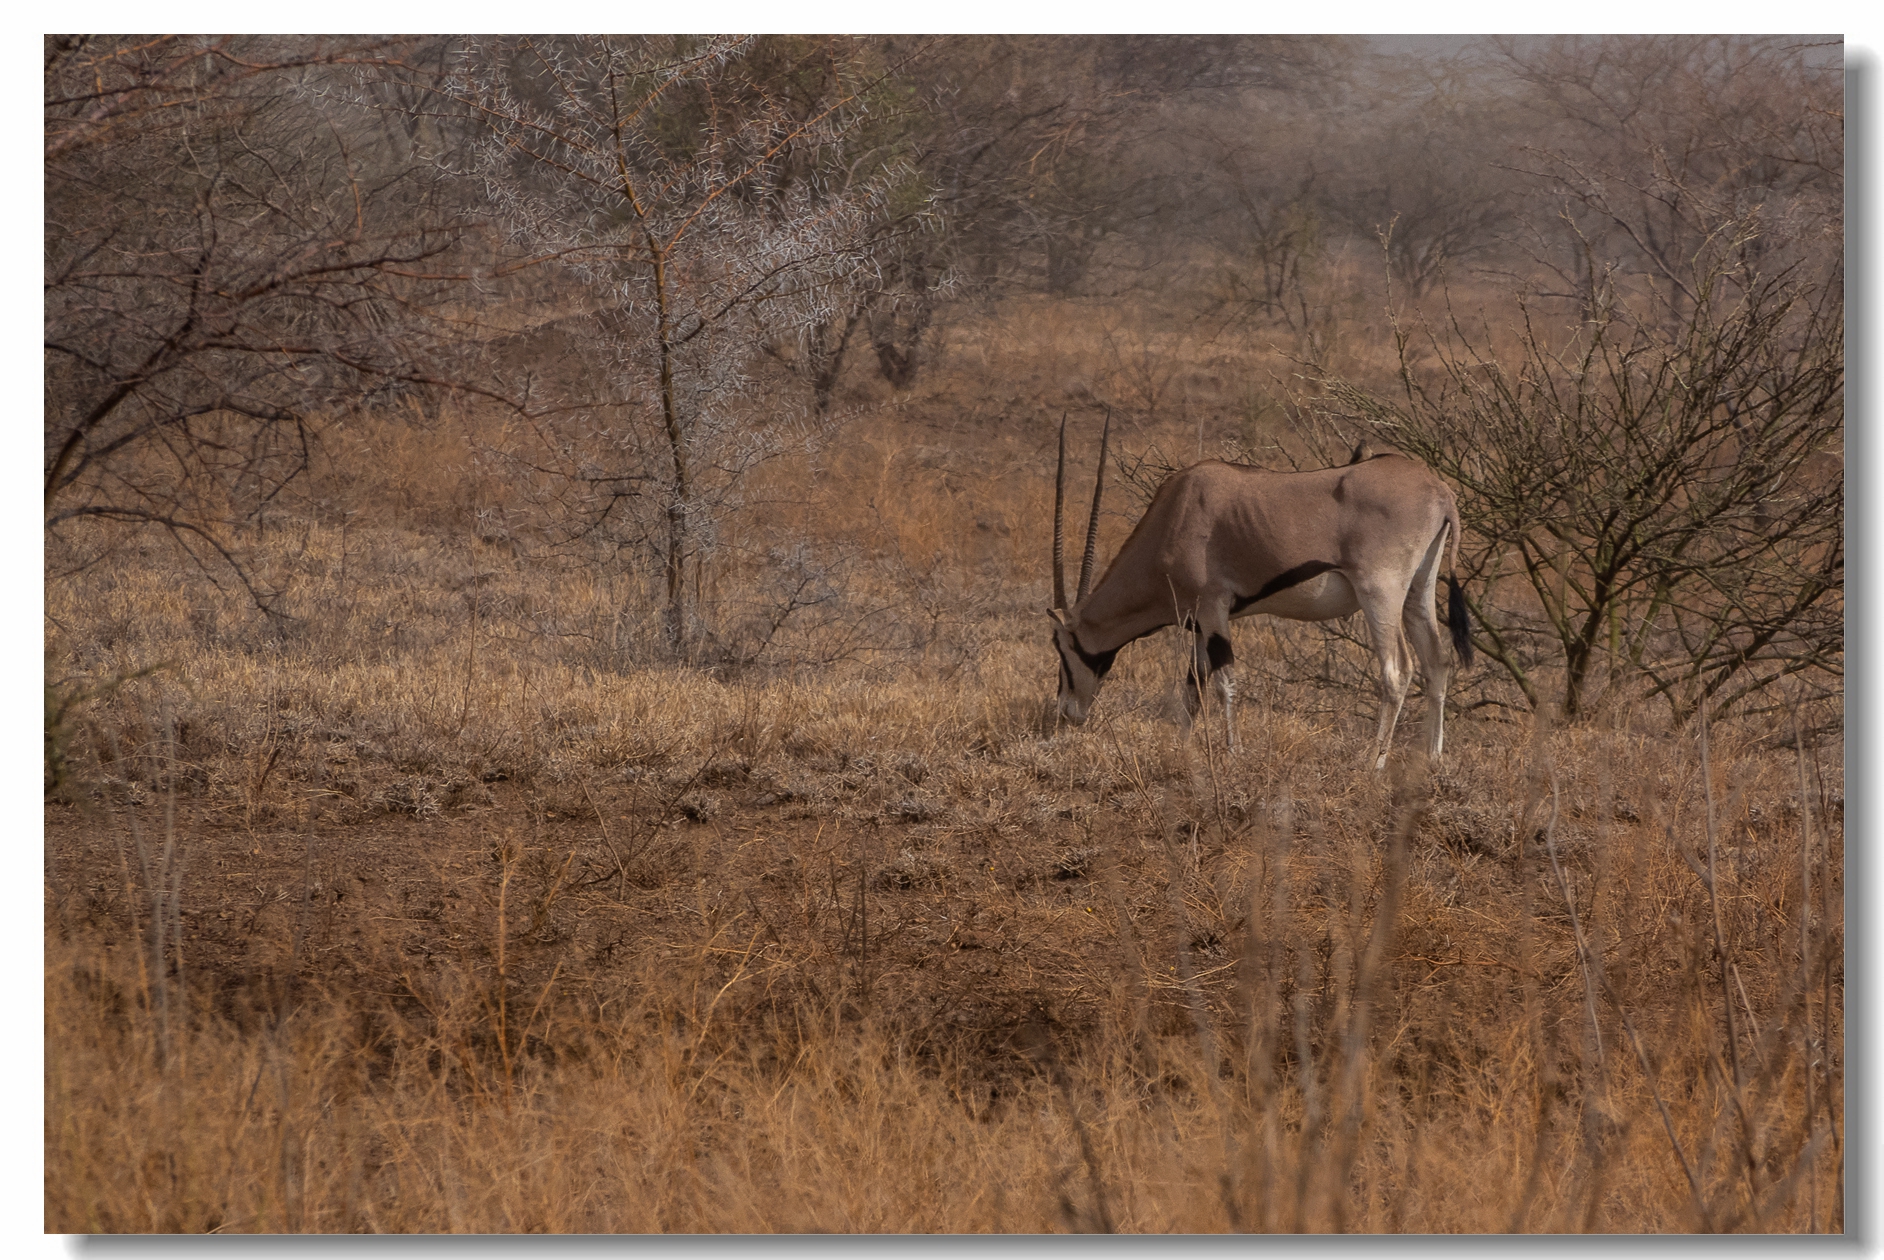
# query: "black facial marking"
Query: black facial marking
1220,654
1098,662
1282,582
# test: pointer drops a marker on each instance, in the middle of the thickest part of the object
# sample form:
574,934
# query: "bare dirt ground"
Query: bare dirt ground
955,931
957,934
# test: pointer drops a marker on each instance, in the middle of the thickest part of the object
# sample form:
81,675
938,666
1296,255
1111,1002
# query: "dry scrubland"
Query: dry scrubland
467,921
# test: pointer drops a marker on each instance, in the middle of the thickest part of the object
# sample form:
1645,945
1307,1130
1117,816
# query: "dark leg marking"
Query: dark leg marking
1282,582
1220,654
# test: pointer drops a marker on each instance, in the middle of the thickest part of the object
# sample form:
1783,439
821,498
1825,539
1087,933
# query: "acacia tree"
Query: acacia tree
705,215
229,256
888,303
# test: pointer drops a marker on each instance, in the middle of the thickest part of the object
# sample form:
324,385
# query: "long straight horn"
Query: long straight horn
1092,522
1059,523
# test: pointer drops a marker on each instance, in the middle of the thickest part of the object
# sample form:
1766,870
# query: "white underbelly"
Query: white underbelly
1321,597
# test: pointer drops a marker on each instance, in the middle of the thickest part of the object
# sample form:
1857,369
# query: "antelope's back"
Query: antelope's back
1276,521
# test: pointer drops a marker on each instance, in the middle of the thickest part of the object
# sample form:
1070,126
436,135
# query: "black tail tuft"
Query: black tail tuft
1458,621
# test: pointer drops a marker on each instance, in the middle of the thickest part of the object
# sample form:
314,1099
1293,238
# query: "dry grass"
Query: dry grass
440,905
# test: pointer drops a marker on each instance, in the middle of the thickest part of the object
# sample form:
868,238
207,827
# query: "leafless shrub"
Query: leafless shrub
227,259
1667,503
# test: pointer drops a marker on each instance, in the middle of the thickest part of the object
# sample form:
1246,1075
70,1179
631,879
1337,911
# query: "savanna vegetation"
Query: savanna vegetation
548,708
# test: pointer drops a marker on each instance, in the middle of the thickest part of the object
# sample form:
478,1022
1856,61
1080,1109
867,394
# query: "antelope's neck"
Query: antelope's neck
1111,616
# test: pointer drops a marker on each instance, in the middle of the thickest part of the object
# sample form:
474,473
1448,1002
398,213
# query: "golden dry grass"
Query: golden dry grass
477,919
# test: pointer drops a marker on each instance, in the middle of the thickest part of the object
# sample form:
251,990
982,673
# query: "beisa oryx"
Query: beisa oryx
1222,541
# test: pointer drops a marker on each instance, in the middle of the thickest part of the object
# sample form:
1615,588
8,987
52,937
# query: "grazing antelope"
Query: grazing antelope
1222,541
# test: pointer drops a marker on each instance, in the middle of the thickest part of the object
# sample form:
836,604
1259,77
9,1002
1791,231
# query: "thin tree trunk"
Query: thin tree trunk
680,494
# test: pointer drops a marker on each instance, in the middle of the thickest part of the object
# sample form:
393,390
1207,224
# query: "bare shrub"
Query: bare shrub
1667,503
227,261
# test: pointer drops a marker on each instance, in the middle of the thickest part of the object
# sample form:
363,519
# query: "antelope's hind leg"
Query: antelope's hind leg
1422,627
1396,673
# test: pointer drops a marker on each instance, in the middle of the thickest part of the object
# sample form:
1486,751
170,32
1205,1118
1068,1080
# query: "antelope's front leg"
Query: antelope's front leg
1211,661
1192,688
1222,661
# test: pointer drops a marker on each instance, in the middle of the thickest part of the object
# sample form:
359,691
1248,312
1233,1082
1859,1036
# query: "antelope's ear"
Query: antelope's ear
1058,618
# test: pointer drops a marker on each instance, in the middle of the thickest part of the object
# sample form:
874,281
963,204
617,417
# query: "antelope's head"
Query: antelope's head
1081,671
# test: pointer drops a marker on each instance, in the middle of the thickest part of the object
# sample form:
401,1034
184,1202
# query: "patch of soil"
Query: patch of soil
952,937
